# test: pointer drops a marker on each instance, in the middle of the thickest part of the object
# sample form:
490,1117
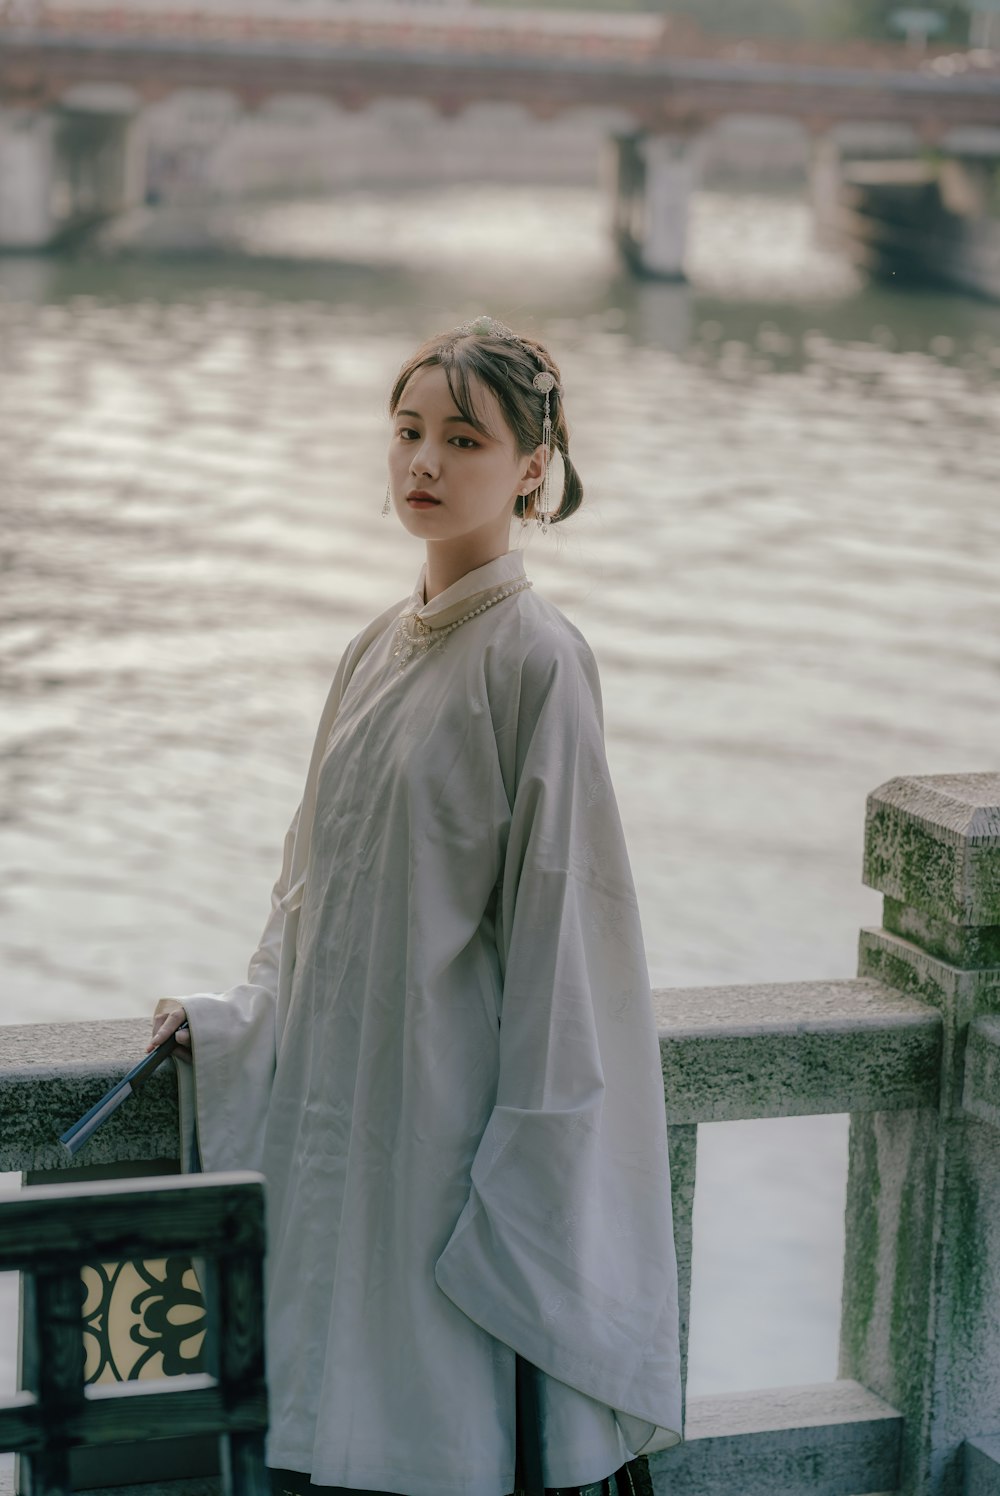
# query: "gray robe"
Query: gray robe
444,1060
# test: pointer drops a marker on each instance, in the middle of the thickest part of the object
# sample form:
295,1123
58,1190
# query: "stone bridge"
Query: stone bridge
664,82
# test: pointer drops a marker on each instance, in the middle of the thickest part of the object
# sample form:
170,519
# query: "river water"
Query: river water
786,564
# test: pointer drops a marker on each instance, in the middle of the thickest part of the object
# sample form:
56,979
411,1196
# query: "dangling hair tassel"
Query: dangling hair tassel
544,382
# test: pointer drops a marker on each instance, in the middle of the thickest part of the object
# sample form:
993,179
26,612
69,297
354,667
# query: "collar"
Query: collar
466,592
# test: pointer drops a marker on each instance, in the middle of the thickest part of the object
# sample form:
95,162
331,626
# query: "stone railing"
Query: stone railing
635,36
910,1048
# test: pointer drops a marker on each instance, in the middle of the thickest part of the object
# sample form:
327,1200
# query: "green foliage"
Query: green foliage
874,18
789,18
818,19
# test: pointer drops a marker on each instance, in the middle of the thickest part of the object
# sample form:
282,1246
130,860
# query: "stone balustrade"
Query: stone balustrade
910,1048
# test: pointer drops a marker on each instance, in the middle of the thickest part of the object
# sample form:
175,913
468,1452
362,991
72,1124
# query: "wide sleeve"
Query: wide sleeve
564,1249
223,1095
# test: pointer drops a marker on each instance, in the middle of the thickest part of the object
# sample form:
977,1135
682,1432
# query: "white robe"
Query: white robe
444,1059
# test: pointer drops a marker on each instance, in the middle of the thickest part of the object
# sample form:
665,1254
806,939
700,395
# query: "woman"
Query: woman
444,1057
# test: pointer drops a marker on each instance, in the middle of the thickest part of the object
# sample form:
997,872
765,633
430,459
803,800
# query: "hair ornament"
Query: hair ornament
489,327
544,382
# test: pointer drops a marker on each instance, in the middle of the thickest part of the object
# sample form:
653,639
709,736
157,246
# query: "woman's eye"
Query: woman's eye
409,433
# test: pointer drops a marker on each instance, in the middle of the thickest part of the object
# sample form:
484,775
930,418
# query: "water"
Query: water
785,564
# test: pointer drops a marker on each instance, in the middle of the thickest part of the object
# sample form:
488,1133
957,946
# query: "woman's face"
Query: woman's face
475,478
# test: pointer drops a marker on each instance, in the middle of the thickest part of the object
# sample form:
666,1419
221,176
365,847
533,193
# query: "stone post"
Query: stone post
966,185
621,175
111,161
672,169
650,179
27,178
826,178
135,155
920,1319
101,153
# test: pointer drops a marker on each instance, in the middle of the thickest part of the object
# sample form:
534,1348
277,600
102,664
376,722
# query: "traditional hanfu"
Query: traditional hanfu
444,1060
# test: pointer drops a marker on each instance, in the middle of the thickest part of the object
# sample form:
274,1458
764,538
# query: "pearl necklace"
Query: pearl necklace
414,636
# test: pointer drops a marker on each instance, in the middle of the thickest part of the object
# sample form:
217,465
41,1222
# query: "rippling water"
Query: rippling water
786,565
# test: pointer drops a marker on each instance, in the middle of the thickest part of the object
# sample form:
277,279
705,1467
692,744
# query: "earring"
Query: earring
388,501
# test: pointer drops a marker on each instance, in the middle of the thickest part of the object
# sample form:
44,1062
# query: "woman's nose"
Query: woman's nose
425,459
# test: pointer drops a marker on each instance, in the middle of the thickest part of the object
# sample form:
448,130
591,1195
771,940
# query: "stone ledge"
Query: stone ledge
51,1073
795,1048
766,1050
825,1439
959,993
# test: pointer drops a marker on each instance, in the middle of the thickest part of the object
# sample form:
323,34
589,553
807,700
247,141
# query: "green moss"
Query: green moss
862,1245
912,1263
899,969
983,857
971,947
966,1255
904,858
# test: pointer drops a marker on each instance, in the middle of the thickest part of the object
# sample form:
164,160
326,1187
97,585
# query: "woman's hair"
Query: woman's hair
506,363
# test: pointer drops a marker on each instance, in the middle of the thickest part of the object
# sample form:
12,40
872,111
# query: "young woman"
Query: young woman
444,1057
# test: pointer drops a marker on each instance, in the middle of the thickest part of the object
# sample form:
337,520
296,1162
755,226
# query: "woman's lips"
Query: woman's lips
422,503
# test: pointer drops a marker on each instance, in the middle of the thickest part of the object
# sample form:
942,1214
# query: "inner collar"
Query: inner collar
466,592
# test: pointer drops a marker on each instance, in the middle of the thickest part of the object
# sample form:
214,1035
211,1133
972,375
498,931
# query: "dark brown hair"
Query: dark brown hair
505,365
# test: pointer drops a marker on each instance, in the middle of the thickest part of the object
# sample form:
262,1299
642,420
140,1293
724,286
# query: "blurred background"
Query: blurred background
762,240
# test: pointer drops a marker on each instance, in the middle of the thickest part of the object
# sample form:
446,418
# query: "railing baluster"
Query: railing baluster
57,1333
682,1139
243,1470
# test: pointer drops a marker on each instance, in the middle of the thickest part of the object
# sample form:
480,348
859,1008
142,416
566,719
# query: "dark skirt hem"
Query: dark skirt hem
633,1479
